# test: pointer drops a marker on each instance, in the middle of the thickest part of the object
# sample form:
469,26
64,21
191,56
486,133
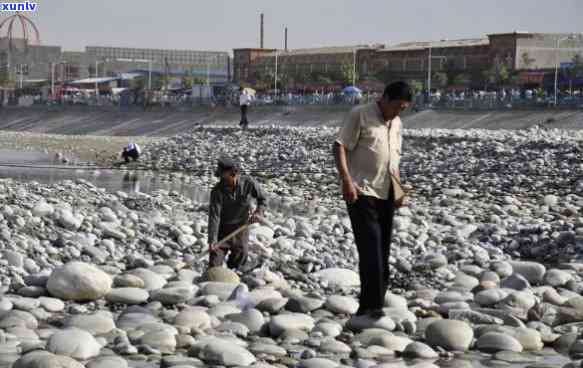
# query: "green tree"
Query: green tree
497,74
348,76
527,61
461,79
138,83
439,80
416,86
4,77
450,71
575,70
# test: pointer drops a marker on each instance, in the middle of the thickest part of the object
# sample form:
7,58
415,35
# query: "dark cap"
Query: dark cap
226,163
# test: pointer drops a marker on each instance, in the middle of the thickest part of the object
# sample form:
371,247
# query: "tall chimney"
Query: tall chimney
261,32
285,39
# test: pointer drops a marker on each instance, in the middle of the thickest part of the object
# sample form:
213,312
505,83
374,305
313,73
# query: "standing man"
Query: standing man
244,102
367,153
229,209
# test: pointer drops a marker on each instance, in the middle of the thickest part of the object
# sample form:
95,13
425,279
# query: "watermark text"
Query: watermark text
18,7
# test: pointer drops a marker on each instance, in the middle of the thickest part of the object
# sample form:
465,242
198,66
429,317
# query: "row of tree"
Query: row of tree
499,74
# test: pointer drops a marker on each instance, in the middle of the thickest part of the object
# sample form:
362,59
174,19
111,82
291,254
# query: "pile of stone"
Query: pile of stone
483,267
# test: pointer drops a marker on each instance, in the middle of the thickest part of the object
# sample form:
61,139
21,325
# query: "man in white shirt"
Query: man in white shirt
244,101
367,153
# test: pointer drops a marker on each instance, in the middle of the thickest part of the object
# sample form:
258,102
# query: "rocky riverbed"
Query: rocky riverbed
486,261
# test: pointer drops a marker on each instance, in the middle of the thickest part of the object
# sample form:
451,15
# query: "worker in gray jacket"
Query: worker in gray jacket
229,209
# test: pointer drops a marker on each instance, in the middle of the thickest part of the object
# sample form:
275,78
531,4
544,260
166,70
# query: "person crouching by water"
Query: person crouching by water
132,151
229,209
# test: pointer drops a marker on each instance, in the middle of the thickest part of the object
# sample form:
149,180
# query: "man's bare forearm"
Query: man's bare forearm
341,165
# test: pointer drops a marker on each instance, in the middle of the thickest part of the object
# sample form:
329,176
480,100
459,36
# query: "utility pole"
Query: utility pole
53,80
96,76
354,67
429,74
149,75
275,90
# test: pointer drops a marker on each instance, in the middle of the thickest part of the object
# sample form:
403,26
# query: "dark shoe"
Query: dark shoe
249,266
372,313
376,313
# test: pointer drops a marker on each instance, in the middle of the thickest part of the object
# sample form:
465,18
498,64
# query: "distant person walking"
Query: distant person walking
245,99
132,151
367,153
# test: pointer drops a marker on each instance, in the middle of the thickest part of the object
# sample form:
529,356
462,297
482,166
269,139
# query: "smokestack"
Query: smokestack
261,33
285,38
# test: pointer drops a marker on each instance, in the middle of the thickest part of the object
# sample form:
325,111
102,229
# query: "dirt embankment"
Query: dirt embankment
161,123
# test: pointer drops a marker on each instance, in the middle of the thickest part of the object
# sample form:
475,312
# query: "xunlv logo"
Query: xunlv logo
18,7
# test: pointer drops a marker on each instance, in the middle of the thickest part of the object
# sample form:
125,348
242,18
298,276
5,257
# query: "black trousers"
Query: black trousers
372,224
238,248
244,122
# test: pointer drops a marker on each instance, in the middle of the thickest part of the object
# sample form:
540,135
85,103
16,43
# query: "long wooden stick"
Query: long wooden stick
220,244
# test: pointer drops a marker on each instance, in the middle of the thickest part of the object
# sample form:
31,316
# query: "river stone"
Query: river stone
67,220
132,320
227,354
16,318
391,342
341,304
193,318
173,295
334,347
13,258
152,280
339,277
318,363
529,338
127,295
515,282
162,340
272,305
293,321
419,350
556,278
42,209
303,304
222,274
493,342
75,343
489,297
128,281
96,324
79,281
53,305
503,269
466,281
450,335
534,272
223,290
44,359
363,322
251,318
108,362
395,301
268,349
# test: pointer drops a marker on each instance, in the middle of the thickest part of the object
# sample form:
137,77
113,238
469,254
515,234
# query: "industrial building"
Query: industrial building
20,61
530,56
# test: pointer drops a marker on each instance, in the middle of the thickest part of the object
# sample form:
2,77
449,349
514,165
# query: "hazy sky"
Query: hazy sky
228,24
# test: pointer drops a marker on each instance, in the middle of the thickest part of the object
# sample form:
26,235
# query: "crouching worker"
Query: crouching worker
132,151
229,210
